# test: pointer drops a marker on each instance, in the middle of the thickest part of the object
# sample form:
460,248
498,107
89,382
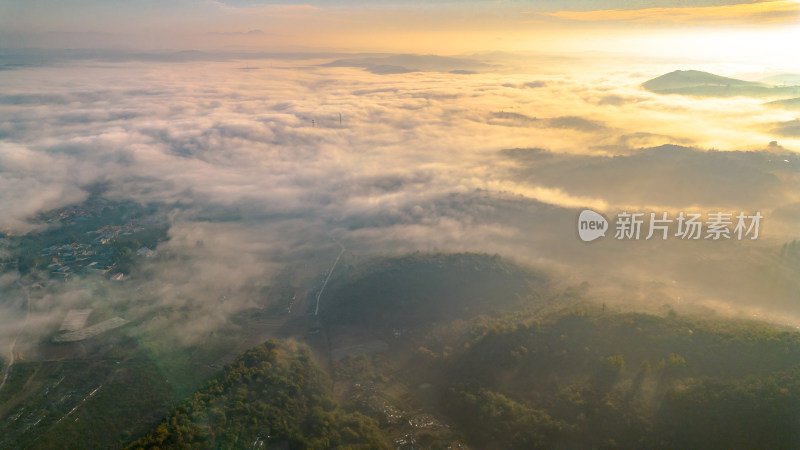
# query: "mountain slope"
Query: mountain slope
420,289
479,355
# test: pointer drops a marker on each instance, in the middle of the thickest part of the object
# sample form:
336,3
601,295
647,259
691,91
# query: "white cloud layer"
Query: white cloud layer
498,160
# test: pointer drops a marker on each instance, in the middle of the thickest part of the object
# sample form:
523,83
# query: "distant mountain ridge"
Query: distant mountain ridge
689,78
704,84
789,103
790,79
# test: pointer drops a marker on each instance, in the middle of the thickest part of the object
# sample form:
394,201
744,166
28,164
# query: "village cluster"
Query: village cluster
94,255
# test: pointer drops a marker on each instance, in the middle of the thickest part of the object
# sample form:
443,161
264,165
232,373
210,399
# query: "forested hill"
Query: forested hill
273,396
587,378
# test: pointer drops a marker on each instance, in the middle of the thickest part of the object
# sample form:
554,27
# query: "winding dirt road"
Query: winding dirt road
330,272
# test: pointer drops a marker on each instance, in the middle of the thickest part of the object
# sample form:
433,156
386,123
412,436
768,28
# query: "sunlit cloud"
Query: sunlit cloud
768,12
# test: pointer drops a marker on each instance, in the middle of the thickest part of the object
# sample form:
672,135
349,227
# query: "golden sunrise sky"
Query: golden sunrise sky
753,31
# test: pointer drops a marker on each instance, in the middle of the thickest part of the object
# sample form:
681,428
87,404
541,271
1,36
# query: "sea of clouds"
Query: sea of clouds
273,159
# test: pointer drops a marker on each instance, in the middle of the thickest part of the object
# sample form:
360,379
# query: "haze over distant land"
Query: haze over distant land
180,182
400,142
